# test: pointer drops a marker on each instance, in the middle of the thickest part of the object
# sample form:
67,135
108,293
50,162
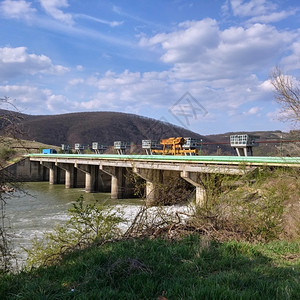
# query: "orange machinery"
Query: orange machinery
174,146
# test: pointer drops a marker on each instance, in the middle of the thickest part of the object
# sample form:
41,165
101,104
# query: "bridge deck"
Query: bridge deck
223,160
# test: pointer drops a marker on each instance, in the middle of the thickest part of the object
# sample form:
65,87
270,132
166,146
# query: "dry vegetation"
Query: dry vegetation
261,206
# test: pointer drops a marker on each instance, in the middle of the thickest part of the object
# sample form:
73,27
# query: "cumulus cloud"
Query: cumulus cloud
17,61
17,9
253,111
52,7
215,65
38,100
191,41
129,88
201,50
267,86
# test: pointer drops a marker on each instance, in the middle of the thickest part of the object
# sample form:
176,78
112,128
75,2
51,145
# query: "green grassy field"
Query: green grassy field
192,268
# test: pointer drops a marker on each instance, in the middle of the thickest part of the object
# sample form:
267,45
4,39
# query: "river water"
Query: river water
40,206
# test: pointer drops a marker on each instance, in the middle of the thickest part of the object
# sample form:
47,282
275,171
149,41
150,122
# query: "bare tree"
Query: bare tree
9,127
287,94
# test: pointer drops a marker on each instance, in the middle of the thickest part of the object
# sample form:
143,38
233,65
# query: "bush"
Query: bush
88,224
263,207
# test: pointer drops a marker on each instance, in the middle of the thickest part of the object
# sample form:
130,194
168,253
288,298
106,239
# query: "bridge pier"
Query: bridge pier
91,177
117,180
191,177
53,172
70,174
153,178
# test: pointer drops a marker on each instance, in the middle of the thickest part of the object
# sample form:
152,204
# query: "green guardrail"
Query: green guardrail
214,159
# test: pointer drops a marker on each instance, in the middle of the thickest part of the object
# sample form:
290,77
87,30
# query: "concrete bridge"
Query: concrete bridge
109,172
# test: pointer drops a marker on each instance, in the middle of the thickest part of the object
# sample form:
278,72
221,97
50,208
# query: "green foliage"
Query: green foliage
195,267
87,224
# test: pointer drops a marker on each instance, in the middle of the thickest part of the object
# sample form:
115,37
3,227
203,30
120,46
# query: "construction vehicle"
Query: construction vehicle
177,146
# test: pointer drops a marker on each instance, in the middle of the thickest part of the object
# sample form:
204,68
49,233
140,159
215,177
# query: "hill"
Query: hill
107,127
88,127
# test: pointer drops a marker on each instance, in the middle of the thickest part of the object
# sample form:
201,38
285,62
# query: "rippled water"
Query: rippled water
40,206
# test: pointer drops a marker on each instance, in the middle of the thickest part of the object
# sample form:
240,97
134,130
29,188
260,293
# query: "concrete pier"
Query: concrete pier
153,178
53,172
70,174
200,190
91,177
117,180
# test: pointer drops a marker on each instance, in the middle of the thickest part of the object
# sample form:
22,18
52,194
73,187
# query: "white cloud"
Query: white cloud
134,91
258,11
105,22
191,40
76,81
79,68
272,17
267,86
252,7
253,111
52,7
17,9
201,50
292,61
17,61
38,101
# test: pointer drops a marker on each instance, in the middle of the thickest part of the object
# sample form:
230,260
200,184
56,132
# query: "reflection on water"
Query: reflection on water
42,205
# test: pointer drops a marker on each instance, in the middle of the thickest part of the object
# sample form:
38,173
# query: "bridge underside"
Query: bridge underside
104,173
113,175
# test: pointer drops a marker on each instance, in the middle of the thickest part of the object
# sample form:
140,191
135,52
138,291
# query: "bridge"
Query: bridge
102,171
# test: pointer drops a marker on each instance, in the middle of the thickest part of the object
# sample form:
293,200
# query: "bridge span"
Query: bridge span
154,169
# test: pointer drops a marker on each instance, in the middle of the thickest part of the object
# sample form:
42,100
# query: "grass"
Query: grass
192,268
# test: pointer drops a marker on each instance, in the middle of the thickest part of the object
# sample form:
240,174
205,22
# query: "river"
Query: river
40,206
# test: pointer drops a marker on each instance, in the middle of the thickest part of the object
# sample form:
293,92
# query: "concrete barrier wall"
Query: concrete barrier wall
25,170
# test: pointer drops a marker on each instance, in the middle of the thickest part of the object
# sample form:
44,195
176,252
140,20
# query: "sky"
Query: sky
203,65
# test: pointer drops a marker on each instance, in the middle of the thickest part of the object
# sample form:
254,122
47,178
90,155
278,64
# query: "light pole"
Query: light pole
201,147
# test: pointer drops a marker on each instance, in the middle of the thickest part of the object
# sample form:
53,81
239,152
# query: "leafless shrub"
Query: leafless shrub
287,94
8,127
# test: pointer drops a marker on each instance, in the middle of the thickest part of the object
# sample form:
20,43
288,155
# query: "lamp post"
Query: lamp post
201,146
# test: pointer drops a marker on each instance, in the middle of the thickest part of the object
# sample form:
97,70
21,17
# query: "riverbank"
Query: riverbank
194,267
215,264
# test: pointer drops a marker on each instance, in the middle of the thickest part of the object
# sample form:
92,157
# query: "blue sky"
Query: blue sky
203,65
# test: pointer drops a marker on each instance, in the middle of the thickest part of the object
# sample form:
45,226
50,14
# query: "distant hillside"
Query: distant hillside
103,127
107,127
